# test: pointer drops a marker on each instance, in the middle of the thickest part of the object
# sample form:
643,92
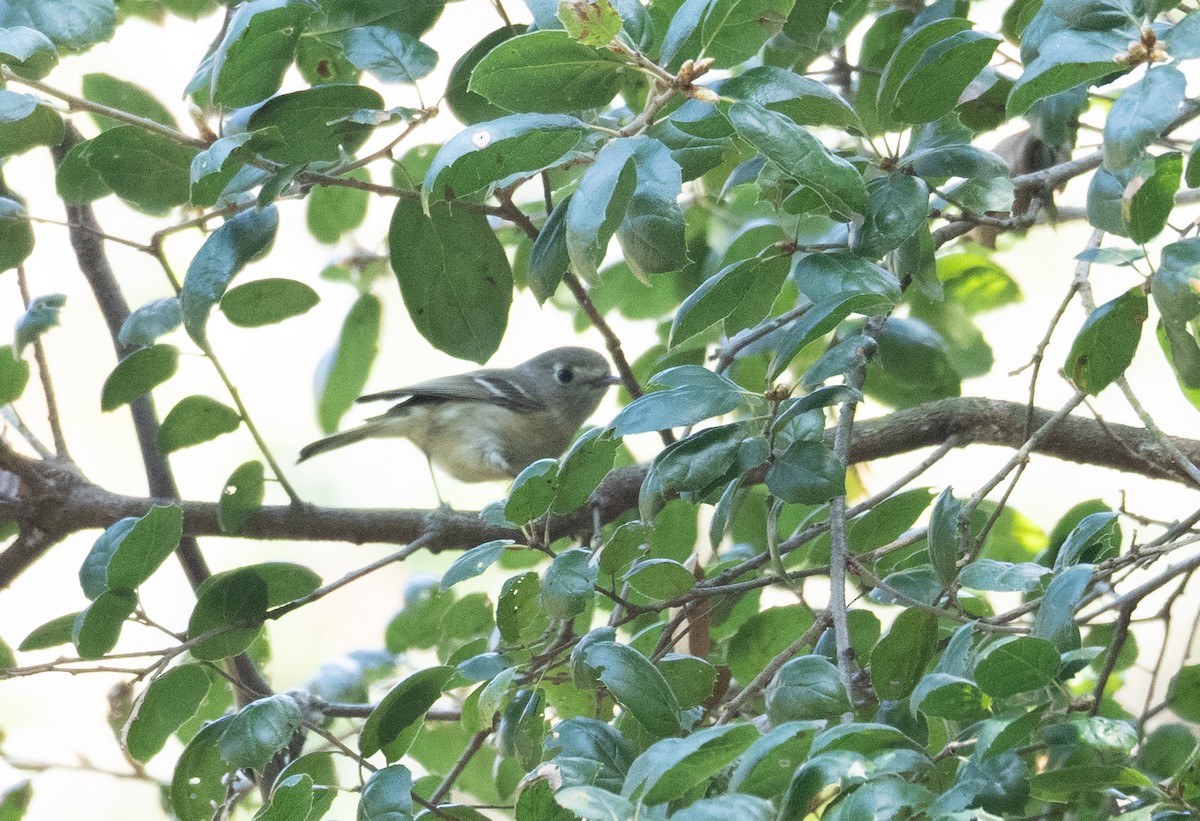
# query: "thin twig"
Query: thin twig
39,355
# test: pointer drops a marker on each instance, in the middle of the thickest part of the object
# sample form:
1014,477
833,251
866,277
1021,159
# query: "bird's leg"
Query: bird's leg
442,505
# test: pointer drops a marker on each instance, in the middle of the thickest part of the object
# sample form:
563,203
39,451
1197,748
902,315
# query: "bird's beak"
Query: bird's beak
609,380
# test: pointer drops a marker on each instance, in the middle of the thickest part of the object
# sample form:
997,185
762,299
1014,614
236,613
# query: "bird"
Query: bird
489,424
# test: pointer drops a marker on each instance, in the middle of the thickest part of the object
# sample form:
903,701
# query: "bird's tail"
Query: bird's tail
336,441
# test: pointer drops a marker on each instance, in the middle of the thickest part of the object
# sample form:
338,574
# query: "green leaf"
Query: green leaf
519,606
150,171
146,324
865,739
267,301
1003,577
1015,665
196,419
1183,694
582,468
93,573
954,698
591,22
1105,345
27,52
898,206
454,277
1176,284
14,801
660,579
26,122
39,317
51,634
548,72
532,492
800,157
568,585
74,26
630,189
943,536
258,46
241,496
97,628
343,371
549,258
1140,115
1064,785
636,685
387,795
198,782
405,704
807,473
913,366
1068,59
474,562
164,705
500,151
727,291
14,375
147,544
259,730
762,637
694,394
392,56
668,769
137,373
124,96
292,798
698,465
322,790
807,687
234,603
1055,619
942,70
220,258
594,804
16,234
470,107
837,275
729,31
334,210
899,659
1149,198
317,124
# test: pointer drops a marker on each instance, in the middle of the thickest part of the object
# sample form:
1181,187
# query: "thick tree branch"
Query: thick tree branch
58,500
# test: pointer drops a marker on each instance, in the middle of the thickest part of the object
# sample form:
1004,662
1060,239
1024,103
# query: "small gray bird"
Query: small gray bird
492,423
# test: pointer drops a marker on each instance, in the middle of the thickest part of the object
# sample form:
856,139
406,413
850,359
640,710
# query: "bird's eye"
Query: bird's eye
564,375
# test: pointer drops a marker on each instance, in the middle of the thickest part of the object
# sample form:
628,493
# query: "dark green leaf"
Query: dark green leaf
233,603
800,157
26,122
241,496
316,124
267,301
548,72
763,637
898,661
404,704
220,258
567,587
1097,527
500,151
1055,619
668,769
939,695
319,770
725,292
660,579
941,73
51,634
74,26
292,798
1065,785
166,703
454,277
468,106
637,685
827,277
474,562
1149,198
989,574
898,206
913,365
807,473
14,375
97,628
196,419
519,606
137,373
729,31
549,258
694,394
151,171
807,687
16,234
582,468
1015,665
387,795
27,52
259,730
1068,59
943,536
139,551
258,46
1105,345
198,783
1141,114
532,492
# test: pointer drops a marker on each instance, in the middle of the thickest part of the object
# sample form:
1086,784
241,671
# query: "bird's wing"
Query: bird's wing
481,386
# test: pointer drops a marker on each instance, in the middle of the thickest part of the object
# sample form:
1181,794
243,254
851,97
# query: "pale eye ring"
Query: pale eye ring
564,375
